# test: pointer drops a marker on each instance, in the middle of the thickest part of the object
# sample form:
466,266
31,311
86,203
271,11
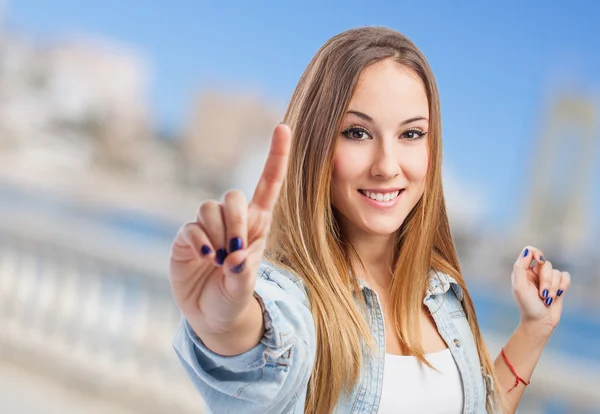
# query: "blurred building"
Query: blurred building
559,204
101,90
223,129
74,105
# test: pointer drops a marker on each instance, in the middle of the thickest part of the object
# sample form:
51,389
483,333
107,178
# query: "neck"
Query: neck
376,252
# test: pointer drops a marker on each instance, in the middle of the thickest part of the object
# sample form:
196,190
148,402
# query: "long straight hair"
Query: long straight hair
305,235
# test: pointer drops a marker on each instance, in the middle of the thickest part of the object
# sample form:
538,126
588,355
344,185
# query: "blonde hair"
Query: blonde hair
305,235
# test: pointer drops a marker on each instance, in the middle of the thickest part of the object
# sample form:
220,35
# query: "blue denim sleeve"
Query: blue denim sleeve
272,377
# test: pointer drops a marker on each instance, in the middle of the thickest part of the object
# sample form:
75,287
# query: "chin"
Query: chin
382,229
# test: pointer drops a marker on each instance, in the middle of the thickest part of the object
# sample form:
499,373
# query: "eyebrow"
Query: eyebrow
369,119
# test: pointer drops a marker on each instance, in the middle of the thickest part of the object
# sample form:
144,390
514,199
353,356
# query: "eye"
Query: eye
356,133
413,134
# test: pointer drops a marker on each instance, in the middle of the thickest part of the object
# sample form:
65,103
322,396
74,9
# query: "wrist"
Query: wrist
237,326
536,331
236,337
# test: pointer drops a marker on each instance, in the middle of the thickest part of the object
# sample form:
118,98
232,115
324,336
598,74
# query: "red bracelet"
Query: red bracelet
517,377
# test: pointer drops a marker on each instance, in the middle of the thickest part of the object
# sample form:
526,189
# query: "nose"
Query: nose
386,163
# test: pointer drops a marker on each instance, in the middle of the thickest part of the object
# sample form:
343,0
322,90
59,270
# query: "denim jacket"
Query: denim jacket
272,377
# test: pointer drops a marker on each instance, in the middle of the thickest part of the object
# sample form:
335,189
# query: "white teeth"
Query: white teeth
381,196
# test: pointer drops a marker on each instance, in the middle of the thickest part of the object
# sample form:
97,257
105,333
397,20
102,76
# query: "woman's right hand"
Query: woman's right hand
215,259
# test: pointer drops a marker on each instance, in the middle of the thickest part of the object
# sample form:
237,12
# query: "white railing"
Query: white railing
93,310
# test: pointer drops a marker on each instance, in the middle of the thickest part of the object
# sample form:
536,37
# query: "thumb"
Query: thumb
237,282
522,264
240,270
525,259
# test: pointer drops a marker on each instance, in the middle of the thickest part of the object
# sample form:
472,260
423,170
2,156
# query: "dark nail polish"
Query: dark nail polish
526,252
205,250
560,292
221,255
542,259
549,301
545,293
239,268
235,244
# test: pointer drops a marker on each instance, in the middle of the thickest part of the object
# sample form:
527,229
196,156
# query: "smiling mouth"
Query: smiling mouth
376,196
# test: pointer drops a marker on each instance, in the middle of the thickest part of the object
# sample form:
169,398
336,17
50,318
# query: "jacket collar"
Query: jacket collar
438,284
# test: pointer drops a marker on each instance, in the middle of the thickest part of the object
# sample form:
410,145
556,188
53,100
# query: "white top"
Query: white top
409,386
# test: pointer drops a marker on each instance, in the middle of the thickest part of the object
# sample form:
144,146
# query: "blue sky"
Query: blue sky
496,63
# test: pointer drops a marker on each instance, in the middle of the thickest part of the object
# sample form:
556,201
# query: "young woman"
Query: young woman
337,288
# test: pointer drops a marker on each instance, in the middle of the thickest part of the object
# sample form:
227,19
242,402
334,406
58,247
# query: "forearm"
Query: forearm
523,350
238,338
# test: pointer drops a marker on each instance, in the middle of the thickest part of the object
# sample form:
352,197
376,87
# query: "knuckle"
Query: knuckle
233,196
207,207
184,229
271,177
191,229
187,228
235,220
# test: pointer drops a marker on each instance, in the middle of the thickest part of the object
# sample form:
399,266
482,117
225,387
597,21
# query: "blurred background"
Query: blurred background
118,118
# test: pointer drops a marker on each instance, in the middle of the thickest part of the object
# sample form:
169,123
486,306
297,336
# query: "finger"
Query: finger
238,281
240,271
556,279
538,260
238,263
524,263
530,256
525,258
271,180
194,236
235,211
565,282
211,219
545,279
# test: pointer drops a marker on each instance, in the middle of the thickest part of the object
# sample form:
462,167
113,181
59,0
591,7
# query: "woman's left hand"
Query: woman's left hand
539,290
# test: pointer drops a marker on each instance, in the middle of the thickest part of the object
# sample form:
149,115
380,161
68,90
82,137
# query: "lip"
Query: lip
383,205
382,190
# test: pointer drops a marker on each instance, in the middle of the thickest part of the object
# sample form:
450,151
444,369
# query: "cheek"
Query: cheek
416,166
338,179
338,168
346,165
346,175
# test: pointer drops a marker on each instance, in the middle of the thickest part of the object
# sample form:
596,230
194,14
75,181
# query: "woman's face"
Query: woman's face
382,154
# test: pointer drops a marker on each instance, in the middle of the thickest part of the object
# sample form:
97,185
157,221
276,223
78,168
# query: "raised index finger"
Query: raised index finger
269,185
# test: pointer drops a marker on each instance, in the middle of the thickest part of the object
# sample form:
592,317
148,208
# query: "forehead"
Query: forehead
388,86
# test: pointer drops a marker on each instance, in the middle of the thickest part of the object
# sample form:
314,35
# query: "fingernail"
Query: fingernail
221,255
560,292
549,301
542,259
545,293
525,253
205,250
235,244
238,268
